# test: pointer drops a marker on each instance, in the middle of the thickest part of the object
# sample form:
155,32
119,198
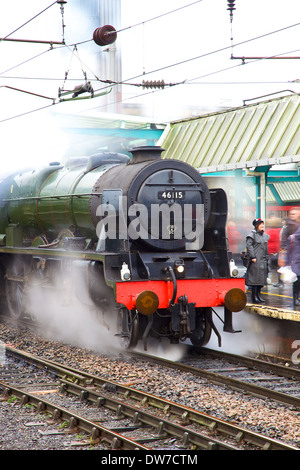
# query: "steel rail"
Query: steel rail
140,418
251,362
219,379
165,427
96,431
188,415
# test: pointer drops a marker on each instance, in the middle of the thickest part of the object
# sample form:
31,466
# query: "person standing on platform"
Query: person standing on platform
235,238
290,226
257,249
293,260
273,228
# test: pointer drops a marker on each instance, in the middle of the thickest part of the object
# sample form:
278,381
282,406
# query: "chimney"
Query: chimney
144,154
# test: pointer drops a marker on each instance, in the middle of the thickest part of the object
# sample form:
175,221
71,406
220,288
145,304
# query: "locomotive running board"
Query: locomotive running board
54,252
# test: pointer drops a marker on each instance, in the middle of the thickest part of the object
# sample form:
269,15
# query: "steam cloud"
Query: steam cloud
65,313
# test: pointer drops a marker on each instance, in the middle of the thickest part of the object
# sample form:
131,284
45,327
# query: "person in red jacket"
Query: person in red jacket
235,238
273,228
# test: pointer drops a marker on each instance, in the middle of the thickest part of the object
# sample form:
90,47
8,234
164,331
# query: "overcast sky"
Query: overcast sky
200,30
192,45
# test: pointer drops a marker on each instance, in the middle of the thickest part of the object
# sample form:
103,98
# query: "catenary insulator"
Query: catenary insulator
105,35
231,5
153,84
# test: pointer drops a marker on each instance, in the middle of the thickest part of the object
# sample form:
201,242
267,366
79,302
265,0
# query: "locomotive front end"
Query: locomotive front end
172,251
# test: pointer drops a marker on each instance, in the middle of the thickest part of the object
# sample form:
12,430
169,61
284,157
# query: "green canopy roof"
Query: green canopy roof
263,133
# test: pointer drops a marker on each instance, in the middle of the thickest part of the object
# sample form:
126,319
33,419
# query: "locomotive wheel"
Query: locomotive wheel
15,279
39,240
66,233
201,335
128,323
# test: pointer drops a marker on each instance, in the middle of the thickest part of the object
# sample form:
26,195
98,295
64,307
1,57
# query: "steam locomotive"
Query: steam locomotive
145,234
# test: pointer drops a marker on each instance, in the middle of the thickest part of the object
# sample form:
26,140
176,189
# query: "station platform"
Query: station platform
279,299
277,322
279,303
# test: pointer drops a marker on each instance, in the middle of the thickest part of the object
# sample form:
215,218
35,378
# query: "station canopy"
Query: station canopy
259,137
92,132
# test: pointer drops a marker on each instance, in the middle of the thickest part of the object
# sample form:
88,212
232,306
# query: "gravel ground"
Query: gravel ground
275,420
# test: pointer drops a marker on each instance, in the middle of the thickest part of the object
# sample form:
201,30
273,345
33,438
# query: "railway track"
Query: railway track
150,421
276,382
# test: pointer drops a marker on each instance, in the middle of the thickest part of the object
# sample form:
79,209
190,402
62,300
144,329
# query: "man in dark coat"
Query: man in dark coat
293,260
291,224
257,249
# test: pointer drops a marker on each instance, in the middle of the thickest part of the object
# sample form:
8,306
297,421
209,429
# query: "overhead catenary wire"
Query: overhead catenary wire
183,82
26,113
82,42
159,16
178,63
231,8
28,92
187,81
238,65
207,54
31,19
61,2
25,61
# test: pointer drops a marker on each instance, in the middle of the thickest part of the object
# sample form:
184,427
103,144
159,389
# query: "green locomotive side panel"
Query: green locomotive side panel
14,235
53,204
22,196
64,201
48,201
18,200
